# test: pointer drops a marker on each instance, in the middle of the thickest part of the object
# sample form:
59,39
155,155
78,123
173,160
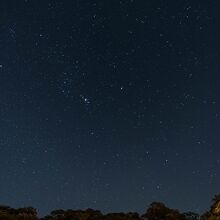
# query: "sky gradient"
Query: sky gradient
110,105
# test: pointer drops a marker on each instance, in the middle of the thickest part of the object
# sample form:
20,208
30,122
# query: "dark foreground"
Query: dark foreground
156,211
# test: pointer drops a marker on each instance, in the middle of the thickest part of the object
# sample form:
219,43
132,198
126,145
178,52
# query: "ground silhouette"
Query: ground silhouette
156,211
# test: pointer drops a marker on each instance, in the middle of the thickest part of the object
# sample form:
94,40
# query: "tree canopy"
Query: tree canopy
155,211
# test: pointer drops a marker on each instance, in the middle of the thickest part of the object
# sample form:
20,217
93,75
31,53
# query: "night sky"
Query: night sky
109,104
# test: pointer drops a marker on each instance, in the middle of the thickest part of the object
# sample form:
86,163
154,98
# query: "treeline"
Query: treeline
156,211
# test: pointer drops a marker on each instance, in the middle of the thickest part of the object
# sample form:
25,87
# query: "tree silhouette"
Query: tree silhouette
156,211
214,212
215,208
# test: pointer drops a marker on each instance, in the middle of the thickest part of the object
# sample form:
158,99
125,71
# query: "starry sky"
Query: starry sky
110,105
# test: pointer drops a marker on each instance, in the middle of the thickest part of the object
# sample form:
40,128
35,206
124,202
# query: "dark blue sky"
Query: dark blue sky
109,104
